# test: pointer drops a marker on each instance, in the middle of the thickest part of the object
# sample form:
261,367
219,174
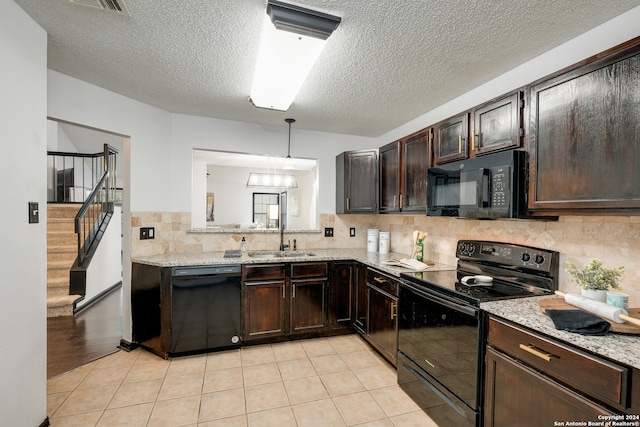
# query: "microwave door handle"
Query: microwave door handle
484,195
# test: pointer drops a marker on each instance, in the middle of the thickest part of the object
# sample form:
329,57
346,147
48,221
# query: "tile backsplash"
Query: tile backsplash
613,239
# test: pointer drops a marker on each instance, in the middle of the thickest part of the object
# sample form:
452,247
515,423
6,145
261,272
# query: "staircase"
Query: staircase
62,251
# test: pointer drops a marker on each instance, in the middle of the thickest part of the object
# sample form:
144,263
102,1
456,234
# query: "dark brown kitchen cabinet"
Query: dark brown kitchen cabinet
264,300
308,305
534,380
284,299
415,162
518,395
357,182
360,298
450,139
341,294
403,170
498,125
382,314
584,130
390,177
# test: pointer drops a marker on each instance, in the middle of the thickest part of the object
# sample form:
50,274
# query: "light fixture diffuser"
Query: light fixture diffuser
271,180
292,39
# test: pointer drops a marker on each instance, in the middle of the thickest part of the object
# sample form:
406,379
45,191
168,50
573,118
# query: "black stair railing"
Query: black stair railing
97,209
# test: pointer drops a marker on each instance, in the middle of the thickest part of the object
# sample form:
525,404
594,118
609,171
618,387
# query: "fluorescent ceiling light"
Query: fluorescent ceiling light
271,180
292,39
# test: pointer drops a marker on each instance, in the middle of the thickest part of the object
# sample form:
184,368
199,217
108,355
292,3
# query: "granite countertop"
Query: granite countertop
623,348
372,259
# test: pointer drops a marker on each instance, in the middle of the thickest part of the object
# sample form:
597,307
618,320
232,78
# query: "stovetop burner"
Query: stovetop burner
517,271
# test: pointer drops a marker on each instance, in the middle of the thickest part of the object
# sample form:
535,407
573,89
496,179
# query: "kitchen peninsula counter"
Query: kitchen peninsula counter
371,259
623,348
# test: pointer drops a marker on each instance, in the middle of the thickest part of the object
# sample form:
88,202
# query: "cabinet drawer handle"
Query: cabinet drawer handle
379,280
394,201
347,203
394,310
536,352
401,201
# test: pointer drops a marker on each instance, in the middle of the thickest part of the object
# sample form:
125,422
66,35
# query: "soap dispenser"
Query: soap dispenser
243,245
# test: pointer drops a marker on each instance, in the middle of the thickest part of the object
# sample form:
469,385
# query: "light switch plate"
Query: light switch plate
352,232
34,213
328,232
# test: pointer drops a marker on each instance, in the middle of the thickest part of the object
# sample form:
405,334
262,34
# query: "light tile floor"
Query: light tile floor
337,381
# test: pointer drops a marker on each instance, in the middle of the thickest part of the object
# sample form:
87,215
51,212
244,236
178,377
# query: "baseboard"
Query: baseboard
45,423
128,346
97,298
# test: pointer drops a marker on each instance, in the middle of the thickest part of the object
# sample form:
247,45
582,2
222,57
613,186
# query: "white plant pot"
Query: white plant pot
595,294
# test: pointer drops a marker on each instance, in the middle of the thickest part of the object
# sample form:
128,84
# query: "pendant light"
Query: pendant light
288,161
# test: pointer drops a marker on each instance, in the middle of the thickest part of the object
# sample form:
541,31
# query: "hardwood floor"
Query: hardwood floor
73,341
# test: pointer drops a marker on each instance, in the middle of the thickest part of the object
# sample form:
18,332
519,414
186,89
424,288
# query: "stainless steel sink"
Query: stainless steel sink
265,254
279,254
294,254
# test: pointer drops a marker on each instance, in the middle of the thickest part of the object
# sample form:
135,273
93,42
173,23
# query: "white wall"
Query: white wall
190,132
105,269
147,153
23,257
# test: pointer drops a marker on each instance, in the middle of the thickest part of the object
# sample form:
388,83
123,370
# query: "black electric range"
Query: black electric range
515,270
441,330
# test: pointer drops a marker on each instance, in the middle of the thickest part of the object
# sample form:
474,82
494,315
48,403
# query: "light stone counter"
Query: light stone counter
622,348
372,259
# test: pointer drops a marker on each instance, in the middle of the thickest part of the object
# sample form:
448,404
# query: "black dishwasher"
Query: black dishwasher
205,308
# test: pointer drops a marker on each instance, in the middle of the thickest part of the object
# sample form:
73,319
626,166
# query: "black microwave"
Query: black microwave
487,187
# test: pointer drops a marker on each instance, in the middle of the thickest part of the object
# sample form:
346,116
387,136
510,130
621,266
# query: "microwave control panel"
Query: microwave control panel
500,187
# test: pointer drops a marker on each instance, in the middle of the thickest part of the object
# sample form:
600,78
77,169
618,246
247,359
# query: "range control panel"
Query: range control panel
508,254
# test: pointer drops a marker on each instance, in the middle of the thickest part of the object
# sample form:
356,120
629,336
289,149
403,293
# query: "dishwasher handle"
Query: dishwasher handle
206,270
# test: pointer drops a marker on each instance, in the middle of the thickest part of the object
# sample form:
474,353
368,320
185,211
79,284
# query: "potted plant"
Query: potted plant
594,280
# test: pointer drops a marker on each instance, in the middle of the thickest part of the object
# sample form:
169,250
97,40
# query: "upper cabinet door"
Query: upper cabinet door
357,182
498,125
585,129
415,159
390,170
450,139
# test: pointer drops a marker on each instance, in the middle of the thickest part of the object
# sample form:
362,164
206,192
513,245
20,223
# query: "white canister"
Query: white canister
372,240
384,242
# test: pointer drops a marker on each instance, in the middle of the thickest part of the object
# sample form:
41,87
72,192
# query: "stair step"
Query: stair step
60,225
61,305
58,281
58,292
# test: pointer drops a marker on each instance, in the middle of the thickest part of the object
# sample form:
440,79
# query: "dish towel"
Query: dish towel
579,321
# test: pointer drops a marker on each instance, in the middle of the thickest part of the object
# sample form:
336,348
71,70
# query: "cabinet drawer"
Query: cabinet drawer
383,282
590,375
309,269
263,272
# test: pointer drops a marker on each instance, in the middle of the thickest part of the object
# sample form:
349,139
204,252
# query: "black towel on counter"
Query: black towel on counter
579,321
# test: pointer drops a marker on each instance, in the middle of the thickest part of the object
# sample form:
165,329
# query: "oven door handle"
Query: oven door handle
458,306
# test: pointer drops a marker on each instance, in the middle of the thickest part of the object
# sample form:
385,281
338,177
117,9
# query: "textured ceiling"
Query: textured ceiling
387,63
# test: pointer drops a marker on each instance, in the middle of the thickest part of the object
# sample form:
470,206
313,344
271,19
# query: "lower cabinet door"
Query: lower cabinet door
264,309
382,323
308,305
518,396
